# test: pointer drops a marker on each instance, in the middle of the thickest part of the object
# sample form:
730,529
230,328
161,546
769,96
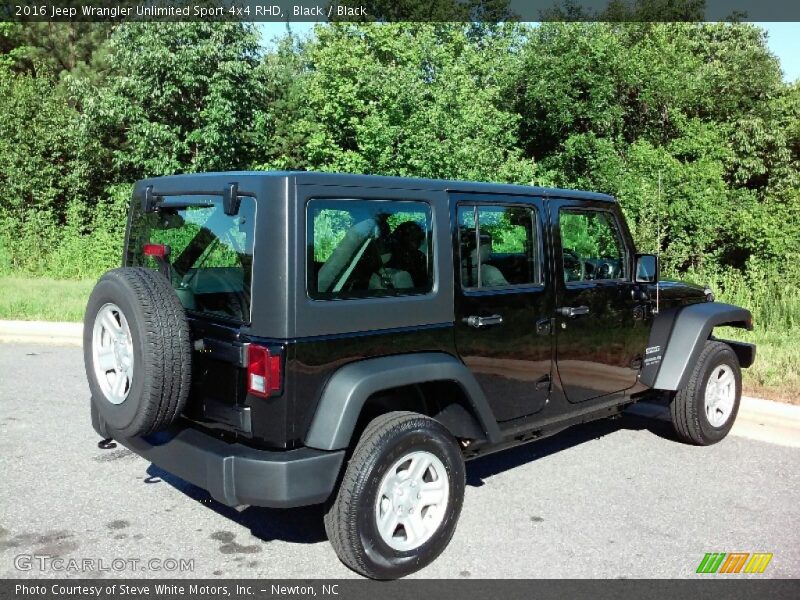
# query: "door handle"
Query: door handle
480,322
573,311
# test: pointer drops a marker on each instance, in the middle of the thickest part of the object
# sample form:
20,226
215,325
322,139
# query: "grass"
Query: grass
775,374
42,299
774,300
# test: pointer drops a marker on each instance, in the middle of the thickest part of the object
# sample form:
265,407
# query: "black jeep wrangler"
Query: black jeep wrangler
283,339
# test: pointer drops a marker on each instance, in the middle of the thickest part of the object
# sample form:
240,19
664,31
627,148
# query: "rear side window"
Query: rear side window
368,248
499,246
209,255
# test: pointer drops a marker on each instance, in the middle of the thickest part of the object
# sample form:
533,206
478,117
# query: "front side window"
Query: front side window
369,248
499,246
591,246
209,253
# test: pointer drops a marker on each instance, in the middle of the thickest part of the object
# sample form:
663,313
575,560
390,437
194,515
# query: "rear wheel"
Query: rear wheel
704,411
137,351
397,507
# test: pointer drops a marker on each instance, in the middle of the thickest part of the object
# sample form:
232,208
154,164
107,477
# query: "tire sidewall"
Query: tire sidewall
384,560
726,356
126,417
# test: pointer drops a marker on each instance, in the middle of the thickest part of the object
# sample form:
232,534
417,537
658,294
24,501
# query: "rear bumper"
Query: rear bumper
235,474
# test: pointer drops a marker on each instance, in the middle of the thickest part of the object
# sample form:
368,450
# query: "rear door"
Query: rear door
503,304
208,258
600,332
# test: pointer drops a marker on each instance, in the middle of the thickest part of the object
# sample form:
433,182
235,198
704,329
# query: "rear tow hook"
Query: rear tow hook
107,444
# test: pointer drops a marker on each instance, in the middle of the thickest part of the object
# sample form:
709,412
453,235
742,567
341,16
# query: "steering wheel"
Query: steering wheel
574,267
605,271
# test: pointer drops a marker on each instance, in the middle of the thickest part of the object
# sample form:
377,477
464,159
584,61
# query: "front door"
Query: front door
503,306
599,329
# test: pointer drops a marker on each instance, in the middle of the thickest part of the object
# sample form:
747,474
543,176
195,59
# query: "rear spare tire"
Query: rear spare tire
137,351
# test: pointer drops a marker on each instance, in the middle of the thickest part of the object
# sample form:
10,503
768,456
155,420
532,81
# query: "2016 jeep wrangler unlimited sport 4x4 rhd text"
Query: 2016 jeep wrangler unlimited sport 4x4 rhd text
283,339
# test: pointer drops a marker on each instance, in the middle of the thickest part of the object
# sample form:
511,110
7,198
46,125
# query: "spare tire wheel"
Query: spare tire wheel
137,351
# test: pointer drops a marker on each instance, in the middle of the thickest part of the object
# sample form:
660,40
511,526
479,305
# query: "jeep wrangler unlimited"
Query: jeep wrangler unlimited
283,339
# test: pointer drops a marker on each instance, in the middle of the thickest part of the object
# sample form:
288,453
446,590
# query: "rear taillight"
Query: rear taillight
263,371
155,250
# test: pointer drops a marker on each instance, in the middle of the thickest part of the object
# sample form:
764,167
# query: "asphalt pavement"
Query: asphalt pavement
613,499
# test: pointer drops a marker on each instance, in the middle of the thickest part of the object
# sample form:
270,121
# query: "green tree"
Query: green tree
411,99
279,139
689,125
700,108
54,49
183,97
45,172
40,145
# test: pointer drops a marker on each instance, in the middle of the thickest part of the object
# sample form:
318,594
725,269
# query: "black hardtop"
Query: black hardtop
251,181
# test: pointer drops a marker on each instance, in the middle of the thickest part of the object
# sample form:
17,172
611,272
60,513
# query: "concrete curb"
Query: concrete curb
762,420
42,332
754,408
768,421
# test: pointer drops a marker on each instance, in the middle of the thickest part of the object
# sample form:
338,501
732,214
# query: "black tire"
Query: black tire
351,519
687,408
162,354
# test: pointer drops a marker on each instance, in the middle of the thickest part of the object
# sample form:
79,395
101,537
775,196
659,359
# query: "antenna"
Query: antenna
658,241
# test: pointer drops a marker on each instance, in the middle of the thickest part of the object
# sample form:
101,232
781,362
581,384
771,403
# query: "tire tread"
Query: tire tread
166,348
689,401
341,518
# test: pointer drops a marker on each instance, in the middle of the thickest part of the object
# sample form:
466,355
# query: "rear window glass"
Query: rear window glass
210,254
369,248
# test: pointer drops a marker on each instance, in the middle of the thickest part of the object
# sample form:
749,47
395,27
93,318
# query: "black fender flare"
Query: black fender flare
678,337
349,388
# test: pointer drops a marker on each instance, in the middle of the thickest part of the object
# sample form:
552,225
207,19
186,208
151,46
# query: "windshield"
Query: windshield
209,254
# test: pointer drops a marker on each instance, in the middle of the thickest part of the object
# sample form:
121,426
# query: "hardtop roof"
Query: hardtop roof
352,180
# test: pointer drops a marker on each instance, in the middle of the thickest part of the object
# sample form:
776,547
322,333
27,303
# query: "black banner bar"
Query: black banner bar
519,589
400,10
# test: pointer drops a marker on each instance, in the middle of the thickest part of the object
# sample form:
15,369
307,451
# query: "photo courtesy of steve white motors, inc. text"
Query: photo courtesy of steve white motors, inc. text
161,589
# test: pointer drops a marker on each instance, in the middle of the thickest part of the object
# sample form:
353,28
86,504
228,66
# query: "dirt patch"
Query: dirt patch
229,546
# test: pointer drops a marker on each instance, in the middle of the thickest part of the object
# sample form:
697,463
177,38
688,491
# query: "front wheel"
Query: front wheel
703,411
400,499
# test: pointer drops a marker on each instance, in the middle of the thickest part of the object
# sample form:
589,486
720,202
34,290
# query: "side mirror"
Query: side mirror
646,268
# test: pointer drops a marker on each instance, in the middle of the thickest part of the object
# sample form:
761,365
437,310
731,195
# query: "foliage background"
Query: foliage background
689,125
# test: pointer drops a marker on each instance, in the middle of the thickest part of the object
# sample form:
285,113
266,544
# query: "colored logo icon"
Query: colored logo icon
734,562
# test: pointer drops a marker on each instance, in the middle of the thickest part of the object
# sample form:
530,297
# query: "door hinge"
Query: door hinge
543,383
